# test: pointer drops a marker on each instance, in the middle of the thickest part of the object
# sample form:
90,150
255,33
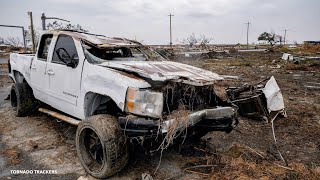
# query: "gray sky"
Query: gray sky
147,20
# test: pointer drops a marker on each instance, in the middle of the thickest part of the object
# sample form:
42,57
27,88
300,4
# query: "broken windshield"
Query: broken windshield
98,55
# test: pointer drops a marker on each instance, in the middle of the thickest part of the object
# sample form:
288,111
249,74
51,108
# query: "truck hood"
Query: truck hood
166,71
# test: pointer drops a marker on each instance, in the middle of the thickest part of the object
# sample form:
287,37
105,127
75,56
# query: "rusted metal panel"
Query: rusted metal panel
60,116
98,40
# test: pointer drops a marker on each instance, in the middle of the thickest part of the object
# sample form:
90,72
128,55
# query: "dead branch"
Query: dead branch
275,140
195,172
284,167
200,166
254,151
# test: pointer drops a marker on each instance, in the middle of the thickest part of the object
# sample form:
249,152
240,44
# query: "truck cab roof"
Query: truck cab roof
99,41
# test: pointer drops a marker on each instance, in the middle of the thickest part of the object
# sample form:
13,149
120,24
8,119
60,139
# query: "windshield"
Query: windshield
98,55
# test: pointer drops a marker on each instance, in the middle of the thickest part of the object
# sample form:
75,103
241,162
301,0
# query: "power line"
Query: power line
170,15
248,25
285,34
32,32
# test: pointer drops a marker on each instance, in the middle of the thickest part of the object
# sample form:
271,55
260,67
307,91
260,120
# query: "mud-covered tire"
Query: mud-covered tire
22,99
197,135
107,155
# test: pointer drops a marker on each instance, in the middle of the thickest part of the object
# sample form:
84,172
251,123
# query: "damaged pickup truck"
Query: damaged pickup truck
116,90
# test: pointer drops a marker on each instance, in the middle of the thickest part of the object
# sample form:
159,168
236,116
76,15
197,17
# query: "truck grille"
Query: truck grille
189,97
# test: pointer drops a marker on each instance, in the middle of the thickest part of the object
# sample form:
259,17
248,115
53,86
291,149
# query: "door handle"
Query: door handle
50,72
33,67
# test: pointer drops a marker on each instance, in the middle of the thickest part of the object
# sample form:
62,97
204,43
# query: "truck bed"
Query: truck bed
21,63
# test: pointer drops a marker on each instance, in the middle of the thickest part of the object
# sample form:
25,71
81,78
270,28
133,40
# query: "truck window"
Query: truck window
66,42
44,47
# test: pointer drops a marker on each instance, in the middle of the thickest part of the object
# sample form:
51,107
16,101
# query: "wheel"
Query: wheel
101,146
22,99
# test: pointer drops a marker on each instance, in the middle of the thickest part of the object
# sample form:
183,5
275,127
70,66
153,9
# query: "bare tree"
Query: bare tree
279,39
13,41
59,26
193,40
204,41
28,36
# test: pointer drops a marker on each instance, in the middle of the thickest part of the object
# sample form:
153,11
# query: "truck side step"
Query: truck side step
60,116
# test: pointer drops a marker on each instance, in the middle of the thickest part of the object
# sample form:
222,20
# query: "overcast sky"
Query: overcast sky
148,21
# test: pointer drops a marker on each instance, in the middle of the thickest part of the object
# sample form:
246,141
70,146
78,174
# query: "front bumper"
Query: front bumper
216,119
220,118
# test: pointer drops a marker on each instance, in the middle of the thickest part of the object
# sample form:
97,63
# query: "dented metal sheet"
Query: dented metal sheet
273,95
167,70
258,100
99,40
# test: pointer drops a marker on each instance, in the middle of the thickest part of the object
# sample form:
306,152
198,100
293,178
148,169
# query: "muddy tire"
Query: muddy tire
101,146
196,135
22,99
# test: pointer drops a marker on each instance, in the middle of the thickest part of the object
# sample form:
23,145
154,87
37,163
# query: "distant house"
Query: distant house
312,42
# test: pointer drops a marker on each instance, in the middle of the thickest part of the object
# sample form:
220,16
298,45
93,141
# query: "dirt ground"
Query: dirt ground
248,152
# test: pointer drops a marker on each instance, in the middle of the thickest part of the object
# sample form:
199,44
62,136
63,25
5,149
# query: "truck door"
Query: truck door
64,80
39,76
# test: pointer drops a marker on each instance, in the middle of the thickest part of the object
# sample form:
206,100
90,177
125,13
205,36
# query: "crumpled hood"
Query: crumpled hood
166,70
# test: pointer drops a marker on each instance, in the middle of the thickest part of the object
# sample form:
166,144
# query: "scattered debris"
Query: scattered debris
312,85
275,67
287,57
231,77
12,154
259,100
146,176
297,59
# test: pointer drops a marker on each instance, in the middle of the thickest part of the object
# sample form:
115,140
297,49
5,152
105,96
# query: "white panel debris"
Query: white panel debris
287,57
273,95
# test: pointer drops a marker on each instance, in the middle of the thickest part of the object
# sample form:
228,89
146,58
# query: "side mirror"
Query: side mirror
64,56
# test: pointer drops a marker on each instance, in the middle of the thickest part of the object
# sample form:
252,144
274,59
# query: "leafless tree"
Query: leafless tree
204,41
13,41
193,40
56,26
28,36
279,39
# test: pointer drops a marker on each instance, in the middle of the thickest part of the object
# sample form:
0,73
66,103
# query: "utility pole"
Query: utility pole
248,25
285,34
170,15
43,20
32,33
23,34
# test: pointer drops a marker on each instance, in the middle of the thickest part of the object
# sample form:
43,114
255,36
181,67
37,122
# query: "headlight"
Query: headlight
144,102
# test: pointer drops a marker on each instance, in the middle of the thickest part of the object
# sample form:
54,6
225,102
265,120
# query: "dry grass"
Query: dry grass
311,48
175,128
12,154
309,65
304,49
243,162
3,65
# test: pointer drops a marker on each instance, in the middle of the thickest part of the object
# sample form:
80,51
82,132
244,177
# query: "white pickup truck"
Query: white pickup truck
115,89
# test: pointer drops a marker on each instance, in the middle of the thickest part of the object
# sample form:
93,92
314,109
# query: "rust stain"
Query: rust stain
130,75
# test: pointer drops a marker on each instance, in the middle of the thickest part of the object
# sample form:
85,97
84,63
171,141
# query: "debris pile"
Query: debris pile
258,100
